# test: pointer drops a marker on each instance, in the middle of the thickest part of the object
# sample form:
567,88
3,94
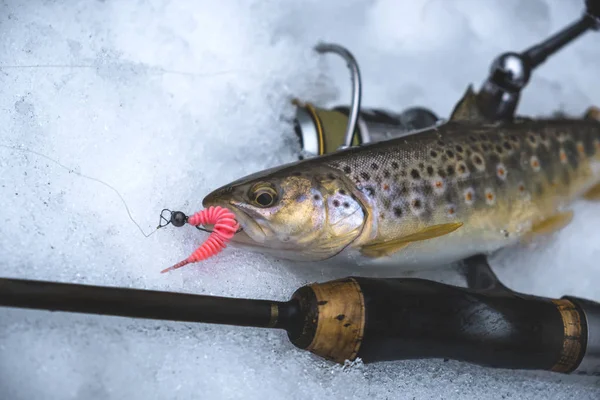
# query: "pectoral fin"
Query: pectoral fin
593,194
388,248
550,225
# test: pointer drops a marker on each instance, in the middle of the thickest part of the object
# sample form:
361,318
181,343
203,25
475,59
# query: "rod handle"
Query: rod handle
402,318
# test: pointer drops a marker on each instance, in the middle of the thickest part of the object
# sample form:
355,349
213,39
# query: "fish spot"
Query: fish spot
397,212
347,169
386,186
346,204
438,186
513,138
535,163
532,141
523,191
430,170
449,171
440,143
484,147
342,192
331,177
395,165
451,210
416,205
336,203
459,148
477,159
386,174
461,169
563,156
365,176
499,149
472,138
421,166
490,197
507,146
316,197
403,188
450,153
415,174
501,171
469,195
370,191
386,202
375,166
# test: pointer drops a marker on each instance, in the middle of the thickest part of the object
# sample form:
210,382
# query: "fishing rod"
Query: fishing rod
374,319
325,130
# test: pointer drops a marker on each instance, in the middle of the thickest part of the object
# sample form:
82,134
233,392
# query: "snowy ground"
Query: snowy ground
168,100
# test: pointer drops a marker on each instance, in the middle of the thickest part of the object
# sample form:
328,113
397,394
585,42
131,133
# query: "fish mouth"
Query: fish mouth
250,232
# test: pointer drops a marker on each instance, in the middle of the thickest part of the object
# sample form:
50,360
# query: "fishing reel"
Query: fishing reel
322,130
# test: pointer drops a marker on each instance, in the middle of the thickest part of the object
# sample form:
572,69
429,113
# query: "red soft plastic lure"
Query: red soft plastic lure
225,226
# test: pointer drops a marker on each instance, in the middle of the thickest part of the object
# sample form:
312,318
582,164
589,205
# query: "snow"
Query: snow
165,101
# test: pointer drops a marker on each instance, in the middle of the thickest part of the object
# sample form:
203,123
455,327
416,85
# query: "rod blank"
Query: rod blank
135,303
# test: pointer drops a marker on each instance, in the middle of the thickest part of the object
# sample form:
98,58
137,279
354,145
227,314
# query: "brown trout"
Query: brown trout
433,197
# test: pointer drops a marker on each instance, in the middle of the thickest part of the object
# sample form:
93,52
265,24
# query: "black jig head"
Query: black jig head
177,218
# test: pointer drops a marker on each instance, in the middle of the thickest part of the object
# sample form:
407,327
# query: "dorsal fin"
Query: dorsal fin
466,109
592,113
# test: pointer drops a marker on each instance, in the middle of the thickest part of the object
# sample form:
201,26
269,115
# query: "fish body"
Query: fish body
430,198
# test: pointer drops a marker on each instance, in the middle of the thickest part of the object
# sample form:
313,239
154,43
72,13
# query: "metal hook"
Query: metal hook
356,87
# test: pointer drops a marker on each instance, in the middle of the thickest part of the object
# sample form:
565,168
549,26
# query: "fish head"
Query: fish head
303,213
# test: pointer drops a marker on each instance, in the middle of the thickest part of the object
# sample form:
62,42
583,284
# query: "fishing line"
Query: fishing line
71,170
132,66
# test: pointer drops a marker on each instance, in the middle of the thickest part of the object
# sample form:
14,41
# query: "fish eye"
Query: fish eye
264,196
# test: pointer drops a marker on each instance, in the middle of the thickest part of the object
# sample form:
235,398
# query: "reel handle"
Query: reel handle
510,72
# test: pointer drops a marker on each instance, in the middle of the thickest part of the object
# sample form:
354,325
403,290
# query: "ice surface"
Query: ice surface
168,100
